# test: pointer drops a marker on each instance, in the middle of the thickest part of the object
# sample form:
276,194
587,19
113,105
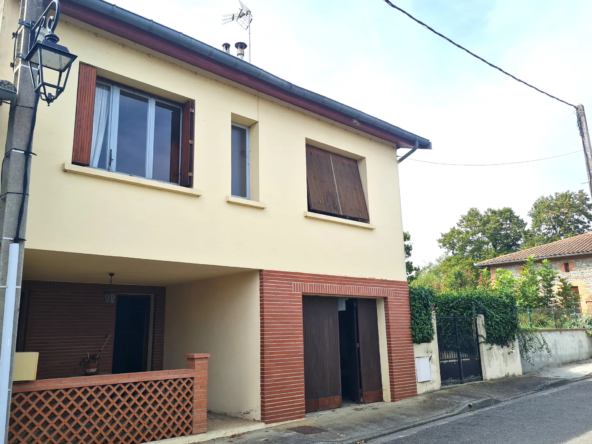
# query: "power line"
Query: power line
492,164
475,55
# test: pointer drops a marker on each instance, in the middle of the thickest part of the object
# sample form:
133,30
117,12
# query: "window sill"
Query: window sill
339,220
138,181
245,202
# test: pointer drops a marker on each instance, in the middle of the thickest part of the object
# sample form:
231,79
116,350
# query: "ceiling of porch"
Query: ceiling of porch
42,265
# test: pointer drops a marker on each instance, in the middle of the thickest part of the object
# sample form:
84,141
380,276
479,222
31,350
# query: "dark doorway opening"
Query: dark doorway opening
132,332
361,379
348,350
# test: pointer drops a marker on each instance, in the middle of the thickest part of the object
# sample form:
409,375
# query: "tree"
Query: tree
559,216
480,236
411,270
476,237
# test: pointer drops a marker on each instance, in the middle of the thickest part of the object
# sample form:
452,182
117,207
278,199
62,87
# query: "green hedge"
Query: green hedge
421,300
500,312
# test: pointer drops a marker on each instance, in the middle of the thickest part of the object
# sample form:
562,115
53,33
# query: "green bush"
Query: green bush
421,300
499,310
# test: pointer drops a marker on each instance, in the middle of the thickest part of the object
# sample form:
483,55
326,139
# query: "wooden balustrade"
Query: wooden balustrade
130,408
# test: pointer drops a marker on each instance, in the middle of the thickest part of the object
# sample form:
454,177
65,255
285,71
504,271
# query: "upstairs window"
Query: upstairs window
130,132
334,185
240,161
135,134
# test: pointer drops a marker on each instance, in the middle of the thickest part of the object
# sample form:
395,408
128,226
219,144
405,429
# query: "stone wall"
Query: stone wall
579,275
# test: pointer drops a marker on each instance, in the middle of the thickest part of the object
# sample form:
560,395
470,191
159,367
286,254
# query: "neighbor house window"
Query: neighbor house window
240,161
135,134
126,131
566,267
334,185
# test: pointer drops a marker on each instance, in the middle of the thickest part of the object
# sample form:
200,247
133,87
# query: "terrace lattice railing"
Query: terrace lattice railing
130,408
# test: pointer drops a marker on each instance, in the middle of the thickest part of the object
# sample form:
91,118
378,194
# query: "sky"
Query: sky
370,56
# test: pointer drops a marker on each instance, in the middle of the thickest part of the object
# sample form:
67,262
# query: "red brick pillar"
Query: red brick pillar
199,363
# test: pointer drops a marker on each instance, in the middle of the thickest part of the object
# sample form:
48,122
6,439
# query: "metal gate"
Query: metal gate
458,344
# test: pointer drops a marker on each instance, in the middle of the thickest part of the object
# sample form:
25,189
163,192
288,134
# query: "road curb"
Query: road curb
469,407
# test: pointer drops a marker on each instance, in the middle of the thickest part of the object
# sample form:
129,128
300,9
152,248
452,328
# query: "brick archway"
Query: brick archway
282,347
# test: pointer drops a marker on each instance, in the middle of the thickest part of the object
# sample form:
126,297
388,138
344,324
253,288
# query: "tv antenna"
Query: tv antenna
244,18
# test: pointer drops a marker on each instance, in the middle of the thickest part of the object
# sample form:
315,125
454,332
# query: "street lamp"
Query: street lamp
49,65
49,62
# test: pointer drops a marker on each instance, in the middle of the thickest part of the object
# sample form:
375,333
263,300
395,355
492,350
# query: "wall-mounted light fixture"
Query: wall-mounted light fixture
49,62
110,295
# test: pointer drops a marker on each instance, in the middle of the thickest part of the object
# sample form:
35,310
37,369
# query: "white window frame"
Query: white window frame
248,154
111,154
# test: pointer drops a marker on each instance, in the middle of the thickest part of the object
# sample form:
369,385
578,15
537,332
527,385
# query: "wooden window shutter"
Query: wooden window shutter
322,192
85,108
334,185
187,144
349,187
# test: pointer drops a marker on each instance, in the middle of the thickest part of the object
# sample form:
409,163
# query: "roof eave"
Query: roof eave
537,258
354,118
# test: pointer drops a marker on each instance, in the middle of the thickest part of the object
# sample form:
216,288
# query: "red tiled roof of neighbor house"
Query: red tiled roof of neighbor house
581,244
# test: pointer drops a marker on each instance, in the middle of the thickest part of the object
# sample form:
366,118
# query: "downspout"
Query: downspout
410,152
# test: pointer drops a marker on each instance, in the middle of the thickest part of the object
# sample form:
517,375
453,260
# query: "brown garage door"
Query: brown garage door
369,351
322,373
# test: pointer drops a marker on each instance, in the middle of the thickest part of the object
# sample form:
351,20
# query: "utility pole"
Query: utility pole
13,190
583,125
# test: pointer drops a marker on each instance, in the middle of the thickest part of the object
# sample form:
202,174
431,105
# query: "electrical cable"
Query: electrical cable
493,164
475,55
27,155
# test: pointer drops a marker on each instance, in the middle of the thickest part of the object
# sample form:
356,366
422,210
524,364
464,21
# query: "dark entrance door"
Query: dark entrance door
458,344
371,377
130,349
322,375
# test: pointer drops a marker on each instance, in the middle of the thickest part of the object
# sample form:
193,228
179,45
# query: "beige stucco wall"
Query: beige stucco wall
565,345
80,214
497,362
383,347
219,316
429,349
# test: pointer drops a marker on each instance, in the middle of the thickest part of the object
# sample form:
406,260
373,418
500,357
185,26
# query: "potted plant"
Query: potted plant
90,363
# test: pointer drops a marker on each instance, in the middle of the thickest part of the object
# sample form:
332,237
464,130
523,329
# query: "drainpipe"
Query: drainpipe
410,152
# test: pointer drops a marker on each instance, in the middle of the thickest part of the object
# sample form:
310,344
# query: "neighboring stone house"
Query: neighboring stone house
572,257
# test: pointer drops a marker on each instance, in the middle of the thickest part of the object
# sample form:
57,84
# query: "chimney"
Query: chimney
240,50
226,47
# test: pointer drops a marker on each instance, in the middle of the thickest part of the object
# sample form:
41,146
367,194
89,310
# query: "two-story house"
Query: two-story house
242,216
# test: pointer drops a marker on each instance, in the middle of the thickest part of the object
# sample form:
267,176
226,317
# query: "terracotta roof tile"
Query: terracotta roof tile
566,247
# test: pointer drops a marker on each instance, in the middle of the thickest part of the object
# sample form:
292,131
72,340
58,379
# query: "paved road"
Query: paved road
560,416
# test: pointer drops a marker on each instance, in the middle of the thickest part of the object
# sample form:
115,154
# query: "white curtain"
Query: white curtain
100,119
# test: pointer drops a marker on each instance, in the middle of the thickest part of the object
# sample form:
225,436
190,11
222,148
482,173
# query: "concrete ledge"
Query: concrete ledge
245,202
338,220
131,180
202,437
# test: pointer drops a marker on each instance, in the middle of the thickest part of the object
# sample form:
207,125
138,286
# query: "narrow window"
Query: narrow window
240,161
134,133
334,185
566,266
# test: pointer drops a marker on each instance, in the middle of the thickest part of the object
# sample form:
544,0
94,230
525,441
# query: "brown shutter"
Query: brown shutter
85,107
187,144
349,187
322,193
